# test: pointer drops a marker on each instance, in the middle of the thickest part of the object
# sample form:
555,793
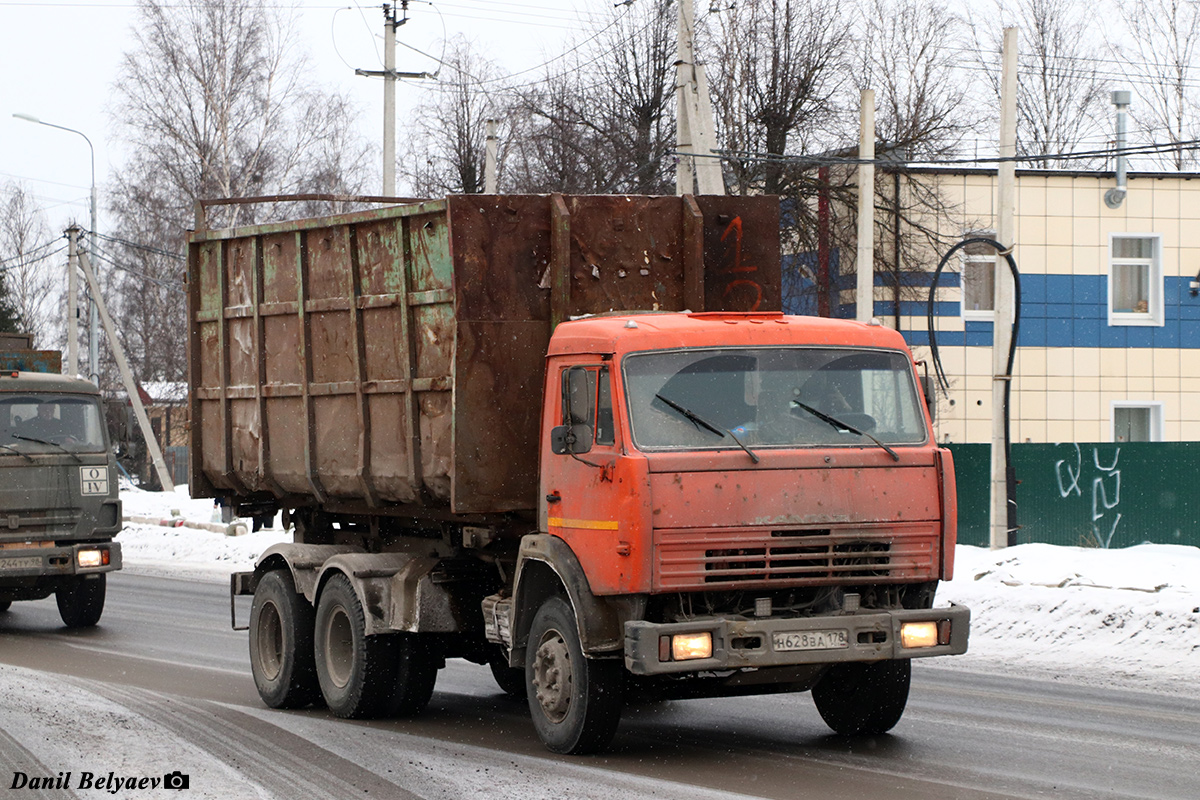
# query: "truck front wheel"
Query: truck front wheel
863,698
575,701
81,600
281,643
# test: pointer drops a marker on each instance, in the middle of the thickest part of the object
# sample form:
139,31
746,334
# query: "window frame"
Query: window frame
972,314
1154,316
1155,407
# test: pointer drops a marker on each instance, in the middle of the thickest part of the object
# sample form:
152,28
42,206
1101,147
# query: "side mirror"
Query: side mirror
929,389
570,440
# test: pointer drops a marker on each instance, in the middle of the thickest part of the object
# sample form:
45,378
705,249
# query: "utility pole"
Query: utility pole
694,123
390,76
139,411
1002,316
865,267
73,301
490,182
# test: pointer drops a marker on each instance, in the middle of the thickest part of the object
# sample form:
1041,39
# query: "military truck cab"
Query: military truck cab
59,505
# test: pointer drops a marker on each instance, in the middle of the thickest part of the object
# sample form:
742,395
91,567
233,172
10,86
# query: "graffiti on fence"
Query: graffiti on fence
1105,484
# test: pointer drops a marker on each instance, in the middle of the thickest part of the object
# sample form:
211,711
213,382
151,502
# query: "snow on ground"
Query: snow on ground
1126,617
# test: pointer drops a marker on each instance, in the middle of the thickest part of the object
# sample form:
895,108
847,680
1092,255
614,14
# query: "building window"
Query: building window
978,278
1135,281
1137,422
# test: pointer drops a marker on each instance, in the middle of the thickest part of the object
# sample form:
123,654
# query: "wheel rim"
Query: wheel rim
339,647
270,641
552,676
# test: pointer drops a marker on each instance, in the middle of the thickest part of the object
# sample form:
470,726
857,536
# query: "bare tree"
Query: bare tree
921,96
1060,90
446,141
1161,59
211,103
777,67
601,119
30,277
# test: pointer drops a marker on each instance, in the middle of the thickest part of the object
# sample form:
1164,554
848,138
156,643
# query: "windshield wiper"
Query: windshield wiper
24,455
700,422
51,444
838,424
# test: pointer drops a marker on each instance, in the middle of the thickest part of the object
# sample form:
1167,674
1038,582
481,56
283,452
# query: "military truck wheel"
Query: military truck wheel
575,701
511,680
81,600
281,643
863,698
357,672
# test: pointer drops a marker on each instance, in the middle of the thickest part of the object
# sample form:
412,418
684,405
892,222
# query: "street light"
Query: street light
93,316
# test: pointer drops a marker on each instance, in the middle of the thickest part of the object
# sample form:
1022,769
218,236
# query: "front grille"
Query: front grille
690,559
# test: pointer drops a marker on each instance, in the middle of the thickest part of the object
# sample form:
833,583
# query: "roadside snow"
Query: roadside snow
1111,617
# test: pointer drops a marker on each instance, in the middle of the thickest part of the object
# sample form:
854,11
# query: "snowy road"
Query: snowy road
163,685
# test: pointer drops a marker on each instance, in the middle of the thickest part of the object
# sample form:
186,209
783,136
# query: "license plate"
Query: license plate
32,562
810,640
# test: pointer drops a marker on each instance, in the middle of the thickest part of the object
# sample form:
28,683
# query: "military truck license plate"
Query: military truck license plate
809,640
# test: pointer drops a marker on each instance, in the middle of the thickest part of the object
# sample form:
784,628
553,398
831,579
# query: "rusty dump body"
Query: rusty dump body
391,361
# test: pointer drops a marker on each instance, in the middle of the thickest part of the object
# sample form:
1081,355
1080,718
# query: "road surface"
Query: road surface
163,684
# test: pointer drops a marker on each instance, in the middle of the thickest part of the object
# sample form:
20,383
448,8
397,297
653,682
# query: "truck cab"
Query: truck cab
59,503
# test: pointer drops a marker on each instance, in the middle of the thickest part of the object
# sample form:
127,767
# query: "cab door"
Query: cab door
580,476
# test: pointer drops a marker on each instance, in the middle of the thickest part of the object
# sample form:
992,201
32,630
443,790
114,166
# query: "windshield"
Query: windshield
50,422
767,397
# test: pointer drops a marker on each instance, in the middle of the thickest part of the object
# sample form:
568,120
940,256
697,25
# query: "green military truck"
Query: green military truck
59,506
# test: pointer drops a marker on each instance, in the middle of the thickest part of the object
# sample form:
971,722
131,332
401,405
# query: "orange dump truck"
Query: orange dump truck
572,438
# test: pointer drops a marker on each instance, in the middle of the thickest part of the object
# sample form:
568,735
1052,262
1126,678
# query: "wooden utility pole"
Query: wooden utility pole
694,121
1002,316
135,399
490,181
865,266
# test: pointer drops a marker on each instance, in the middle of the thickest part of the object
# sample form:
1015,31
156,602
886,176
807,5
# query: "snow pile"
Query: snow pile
1116,617
184,551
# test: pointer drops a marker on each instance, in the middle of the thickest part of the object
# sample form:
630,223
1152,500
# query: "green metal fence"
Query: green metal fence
1088,494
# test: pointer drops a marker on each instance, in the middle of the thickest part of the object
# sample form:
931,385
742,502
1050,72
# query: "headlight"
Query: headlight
919,634
687,646
91,558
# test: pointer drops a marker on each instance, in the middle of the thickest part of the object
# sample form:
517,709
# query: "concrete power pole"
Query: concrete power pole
1003,314
73,301
865,266
694,121
390,76
490,182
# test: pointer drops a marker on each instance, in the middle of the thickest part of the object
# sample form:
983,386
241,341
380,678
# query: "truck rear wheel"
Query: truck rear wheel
4,604
511,680
863,698
81,600
575,701
357,672
281,643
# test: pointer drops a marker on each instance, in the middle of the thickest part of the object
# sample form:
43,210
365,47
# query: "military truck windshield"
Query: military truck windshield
50,422
760,395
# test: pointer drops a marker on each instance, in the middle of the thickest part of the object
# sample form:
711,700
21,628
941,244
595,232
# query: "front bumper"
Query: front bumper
35,562
739,643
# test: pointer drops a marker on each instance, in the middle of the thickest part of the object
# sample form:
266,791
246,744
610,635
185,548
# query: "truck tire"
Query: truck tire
81,600
863,698
575,701
4,604
416,669
281,643
511,680
357,673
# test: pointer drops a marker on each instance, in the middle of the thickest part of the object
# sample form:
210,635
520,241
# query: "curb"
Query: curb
232,529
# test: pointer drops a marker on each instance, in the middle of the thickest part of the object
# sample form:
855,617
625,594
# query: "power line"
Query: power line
147,248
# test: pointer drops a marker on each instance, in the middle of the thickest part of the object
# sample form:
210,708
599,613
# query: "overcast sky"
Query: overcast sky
59,59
